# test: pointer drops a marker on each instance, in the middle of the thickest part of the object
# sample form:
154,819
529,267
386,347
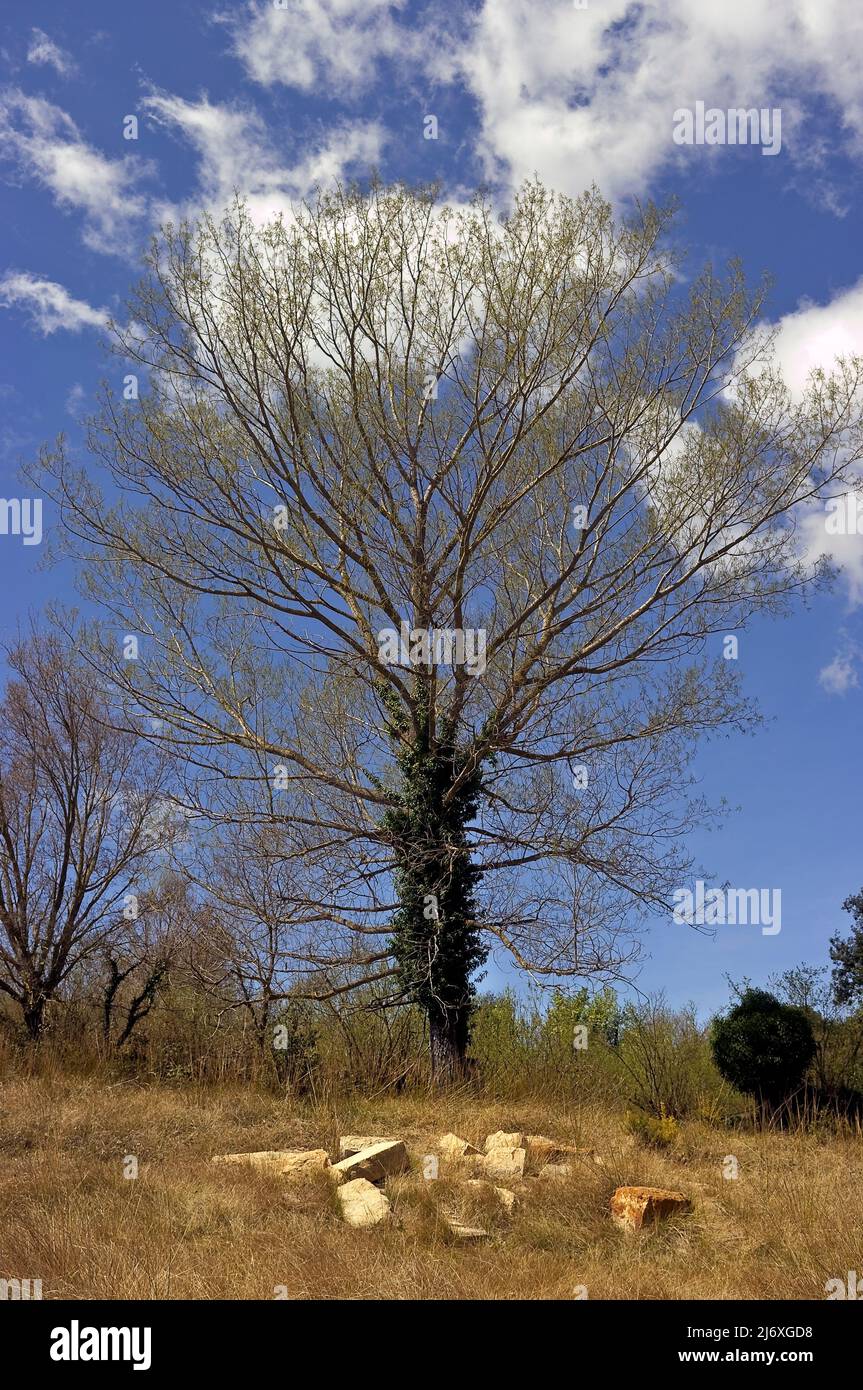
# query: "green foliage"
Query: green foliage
665,1059
436,939
656,1131
763,1047
847,957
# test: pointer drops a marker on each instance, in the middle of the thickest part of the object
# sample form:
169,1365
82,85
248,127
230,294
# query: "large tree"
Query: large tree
83,818
525,430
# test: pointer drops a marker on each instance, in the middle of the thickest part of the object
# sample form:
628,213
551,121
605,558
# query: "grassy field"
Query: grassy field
189,1229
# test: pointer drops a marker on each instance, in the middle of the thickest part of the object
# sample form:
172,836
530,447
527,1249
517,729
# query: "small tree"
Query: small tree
137,961
82,815
847,956
763,1047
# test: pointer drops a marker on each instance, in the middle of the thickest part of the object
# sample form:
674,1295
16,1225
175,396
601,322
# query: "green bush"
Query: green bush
657,1132
664,1059
763,1047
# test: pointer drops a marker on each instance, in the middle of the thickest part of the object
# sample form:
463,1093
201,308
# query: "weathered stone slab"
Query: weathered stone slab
288,1163
376,1163
350,1144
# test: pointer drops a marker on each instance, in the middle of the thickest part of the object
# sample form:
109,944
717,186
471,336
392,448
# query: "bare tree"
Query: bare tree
429,522
137,960
81,820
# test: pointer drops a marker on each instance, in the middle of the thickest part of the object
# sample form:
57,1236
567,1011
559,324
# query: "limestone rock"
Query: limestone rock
376,1163
362,1204
633,1208
505,1164
506,1198
500,1140
474,1163
451,1146
542,1151
465,1232
287,1163
556,1170
350,1144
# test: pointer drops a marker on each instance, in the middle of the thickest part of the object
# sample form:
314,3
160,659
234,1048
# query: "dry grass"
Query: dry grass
186,1229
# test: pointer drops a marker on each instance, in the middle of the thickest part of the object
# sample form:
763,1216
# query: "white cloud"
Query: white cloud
335,44
840,675
48,304
45,51
844,551
235,152
588,95
579,95
75,400
45,143
815,335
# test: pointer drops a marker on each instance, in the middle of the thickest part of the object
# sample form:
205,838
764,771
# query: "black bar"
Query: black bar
294,1339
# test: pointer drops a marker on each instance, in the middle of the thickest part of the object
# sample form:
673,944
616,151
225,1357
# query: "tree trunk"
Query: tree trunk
34,1018
448,1034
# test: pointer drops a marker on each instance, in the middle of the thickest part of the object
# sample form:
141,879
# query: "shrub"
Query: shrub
763,1047
656,1132
664,1057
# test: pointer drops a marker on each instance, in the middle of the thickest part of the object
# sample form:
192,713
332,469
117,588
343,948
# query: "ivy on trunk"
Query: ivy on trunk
436,938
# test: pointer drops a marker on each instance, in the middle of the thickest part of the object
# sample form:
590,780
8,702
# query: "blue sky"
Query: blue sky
273,99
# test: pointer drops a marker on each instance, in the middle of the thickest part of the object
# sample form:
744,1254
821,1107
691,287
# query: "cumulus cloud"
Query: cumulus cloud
815,336
235,153
45,51
577,95
584,95
49,306
307,43
45,144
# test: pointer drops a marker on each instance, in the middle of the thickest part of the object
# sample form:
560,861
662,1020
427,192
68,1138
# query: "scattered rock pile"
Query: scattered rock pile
367,1162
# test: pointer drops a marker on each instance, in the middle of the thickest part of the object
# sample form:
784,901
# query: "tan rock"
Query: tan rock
633,1208
506,1198
541,1150
465,1232
505,1165
501,1140
451,1146
287,1163
474,1163
350,1144
376,1163
362,1204
556,1170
